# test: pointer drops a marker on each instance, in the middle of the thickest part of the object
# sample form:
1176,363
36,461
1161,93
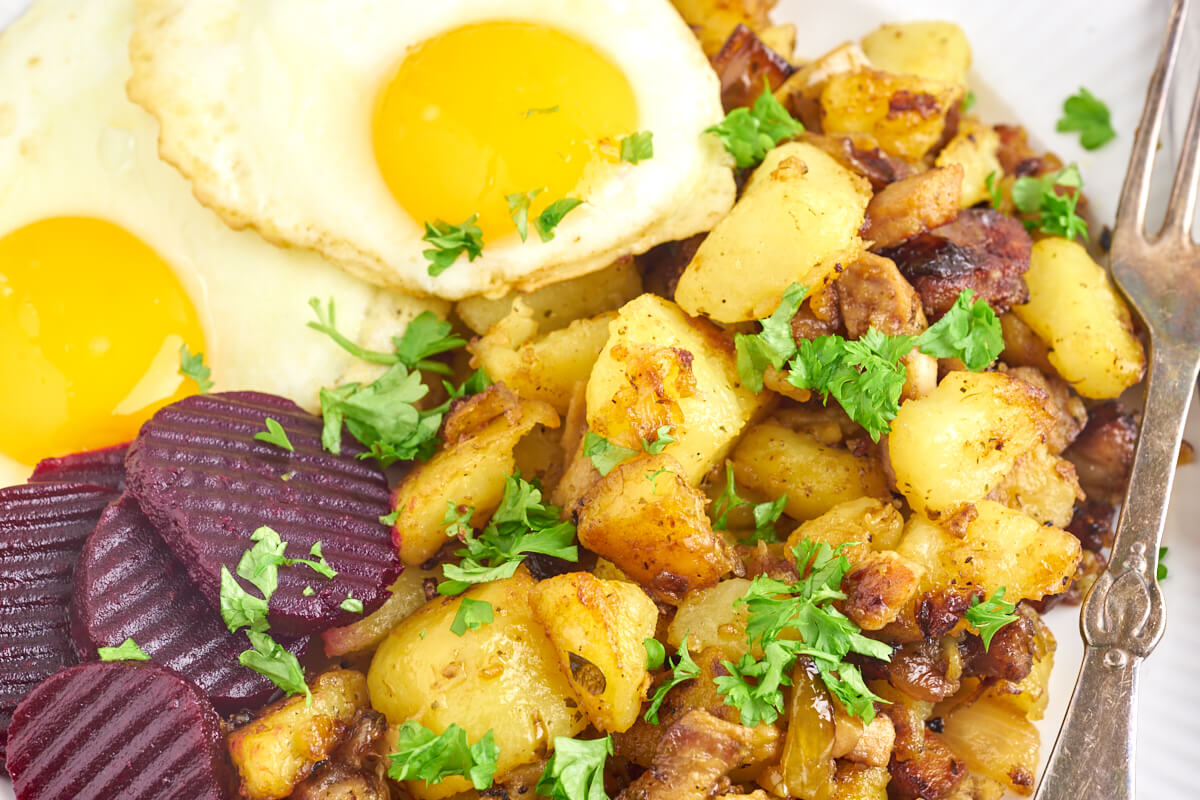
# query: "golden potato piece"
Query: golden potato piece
975,149
796,221
503,677
867,522
711,617
996,740
598,628
646,519
905,113
1074,309
936,50
279,748
714,20
1041,485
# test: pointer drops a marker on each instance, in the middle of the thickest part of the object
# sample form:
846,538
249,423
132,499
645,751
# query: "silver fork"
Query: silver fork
1123,616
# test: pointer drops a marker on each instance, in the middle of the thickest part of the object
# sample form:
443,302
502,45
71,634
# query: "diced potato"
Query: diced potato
937,50
646,519
860,782
1022,347
906,113
776,460
974,148
1041,485
867,521
546,367
714,20
480,435
1074,308
995,740
999,547
780,38
407,595
801,92
661,367
953,446
598,628
796,221
712,617
558,304
278,749
503,677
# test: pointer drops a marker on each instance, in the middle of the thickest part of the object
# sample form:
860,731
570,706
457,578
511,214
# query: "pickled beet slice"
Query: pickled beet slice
129,730
104,467
42,529
207,484
129,586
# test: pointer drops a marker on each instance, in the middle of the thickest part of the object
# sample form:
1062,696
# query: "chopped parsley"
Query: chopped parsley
655,653
990,616
276,435
774,345
606,455
518,207
825,635
765,514
192,366
1087,115
1161,571
749,133
637,147
522,524
351,604
968,102
576,770
390,519
549,219
1048,211
267,657
451,241
992,183
472,615
684,669
127,650
662,438
532,111
423,755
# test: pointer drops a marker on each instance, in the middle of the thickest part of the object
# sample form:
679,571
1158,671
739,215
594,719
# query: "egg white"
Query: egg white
71,144
267,108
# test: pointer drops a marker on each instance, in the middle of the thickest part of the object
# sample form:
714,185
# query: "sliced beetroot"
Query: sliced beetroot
42,529
104,467
207,484
133,730
129,586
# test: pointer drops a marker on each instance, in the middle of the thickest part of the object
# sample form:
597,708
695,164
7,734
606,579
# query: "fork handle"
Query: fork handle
1123,615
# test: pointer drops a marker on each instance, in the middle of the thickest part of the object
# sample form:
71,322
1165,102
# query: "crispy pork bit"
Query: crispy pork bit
919,669
901,210
983,250
745,65
1103,452
355,771
1009,655
931,773
873,294
662,266
861,153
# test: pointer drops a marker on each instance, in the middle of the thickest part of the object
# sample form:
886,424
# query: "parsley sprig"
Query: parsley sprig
749,133
552,215
684,669
451,241
576,770
276,435
865,376
816,629
606,454
521,525
1089,116
765,514
193,367
423,755
1047,210
989,616
127,650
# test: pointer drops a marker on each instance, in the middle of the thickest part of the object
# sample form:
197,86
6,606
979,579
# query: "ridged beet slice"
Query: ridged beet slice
135,731
129,586
207,485
104,467
42,529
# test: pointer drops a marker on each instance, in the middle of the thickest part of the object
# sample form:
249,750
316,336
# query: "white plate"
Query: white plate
1028,56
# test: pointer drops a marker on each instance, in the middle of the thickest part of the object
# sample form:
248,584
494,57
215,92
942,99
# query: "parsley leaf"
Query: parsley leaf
239,608
523,524
351,604
662,438
390,519
1089,116
426,336
279,665
969,331
422,755
655,653
968,102
728,501
451,241
260,564
605,455
576,770
749,133
1161,572
684,669
128,650
518,208
472,615
762,699
532,111
992,182
765,514
192,366
1051,212
637,147
276,435
553,214
774,345
990,616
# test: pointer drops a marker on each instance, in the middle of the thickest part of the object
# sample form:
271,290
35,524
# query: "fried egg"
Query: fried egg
108,265
346,127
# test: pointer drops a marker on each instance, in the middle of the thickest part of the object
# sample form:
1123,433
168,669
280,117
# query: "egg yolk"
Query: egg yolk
493,109
91,323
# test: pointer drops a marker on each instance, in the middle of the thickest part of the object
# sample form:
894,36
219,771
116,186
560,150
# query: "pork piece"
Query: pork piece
919,669
937,614
1094,524
1009,656
861,153
1103,452
982,250
879,588
105,467
662,265
1068,415
693,758
819,315
873,294
746,65
354,771
918,203
931,774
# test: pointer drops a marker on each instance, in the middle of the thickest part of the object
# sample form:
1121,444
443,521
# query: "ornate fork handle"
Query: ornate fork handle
1123,616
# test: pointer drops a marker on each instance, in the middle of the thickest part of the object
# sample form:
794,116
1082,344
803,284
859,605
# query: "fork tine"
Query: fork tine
1181,209
1131,211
